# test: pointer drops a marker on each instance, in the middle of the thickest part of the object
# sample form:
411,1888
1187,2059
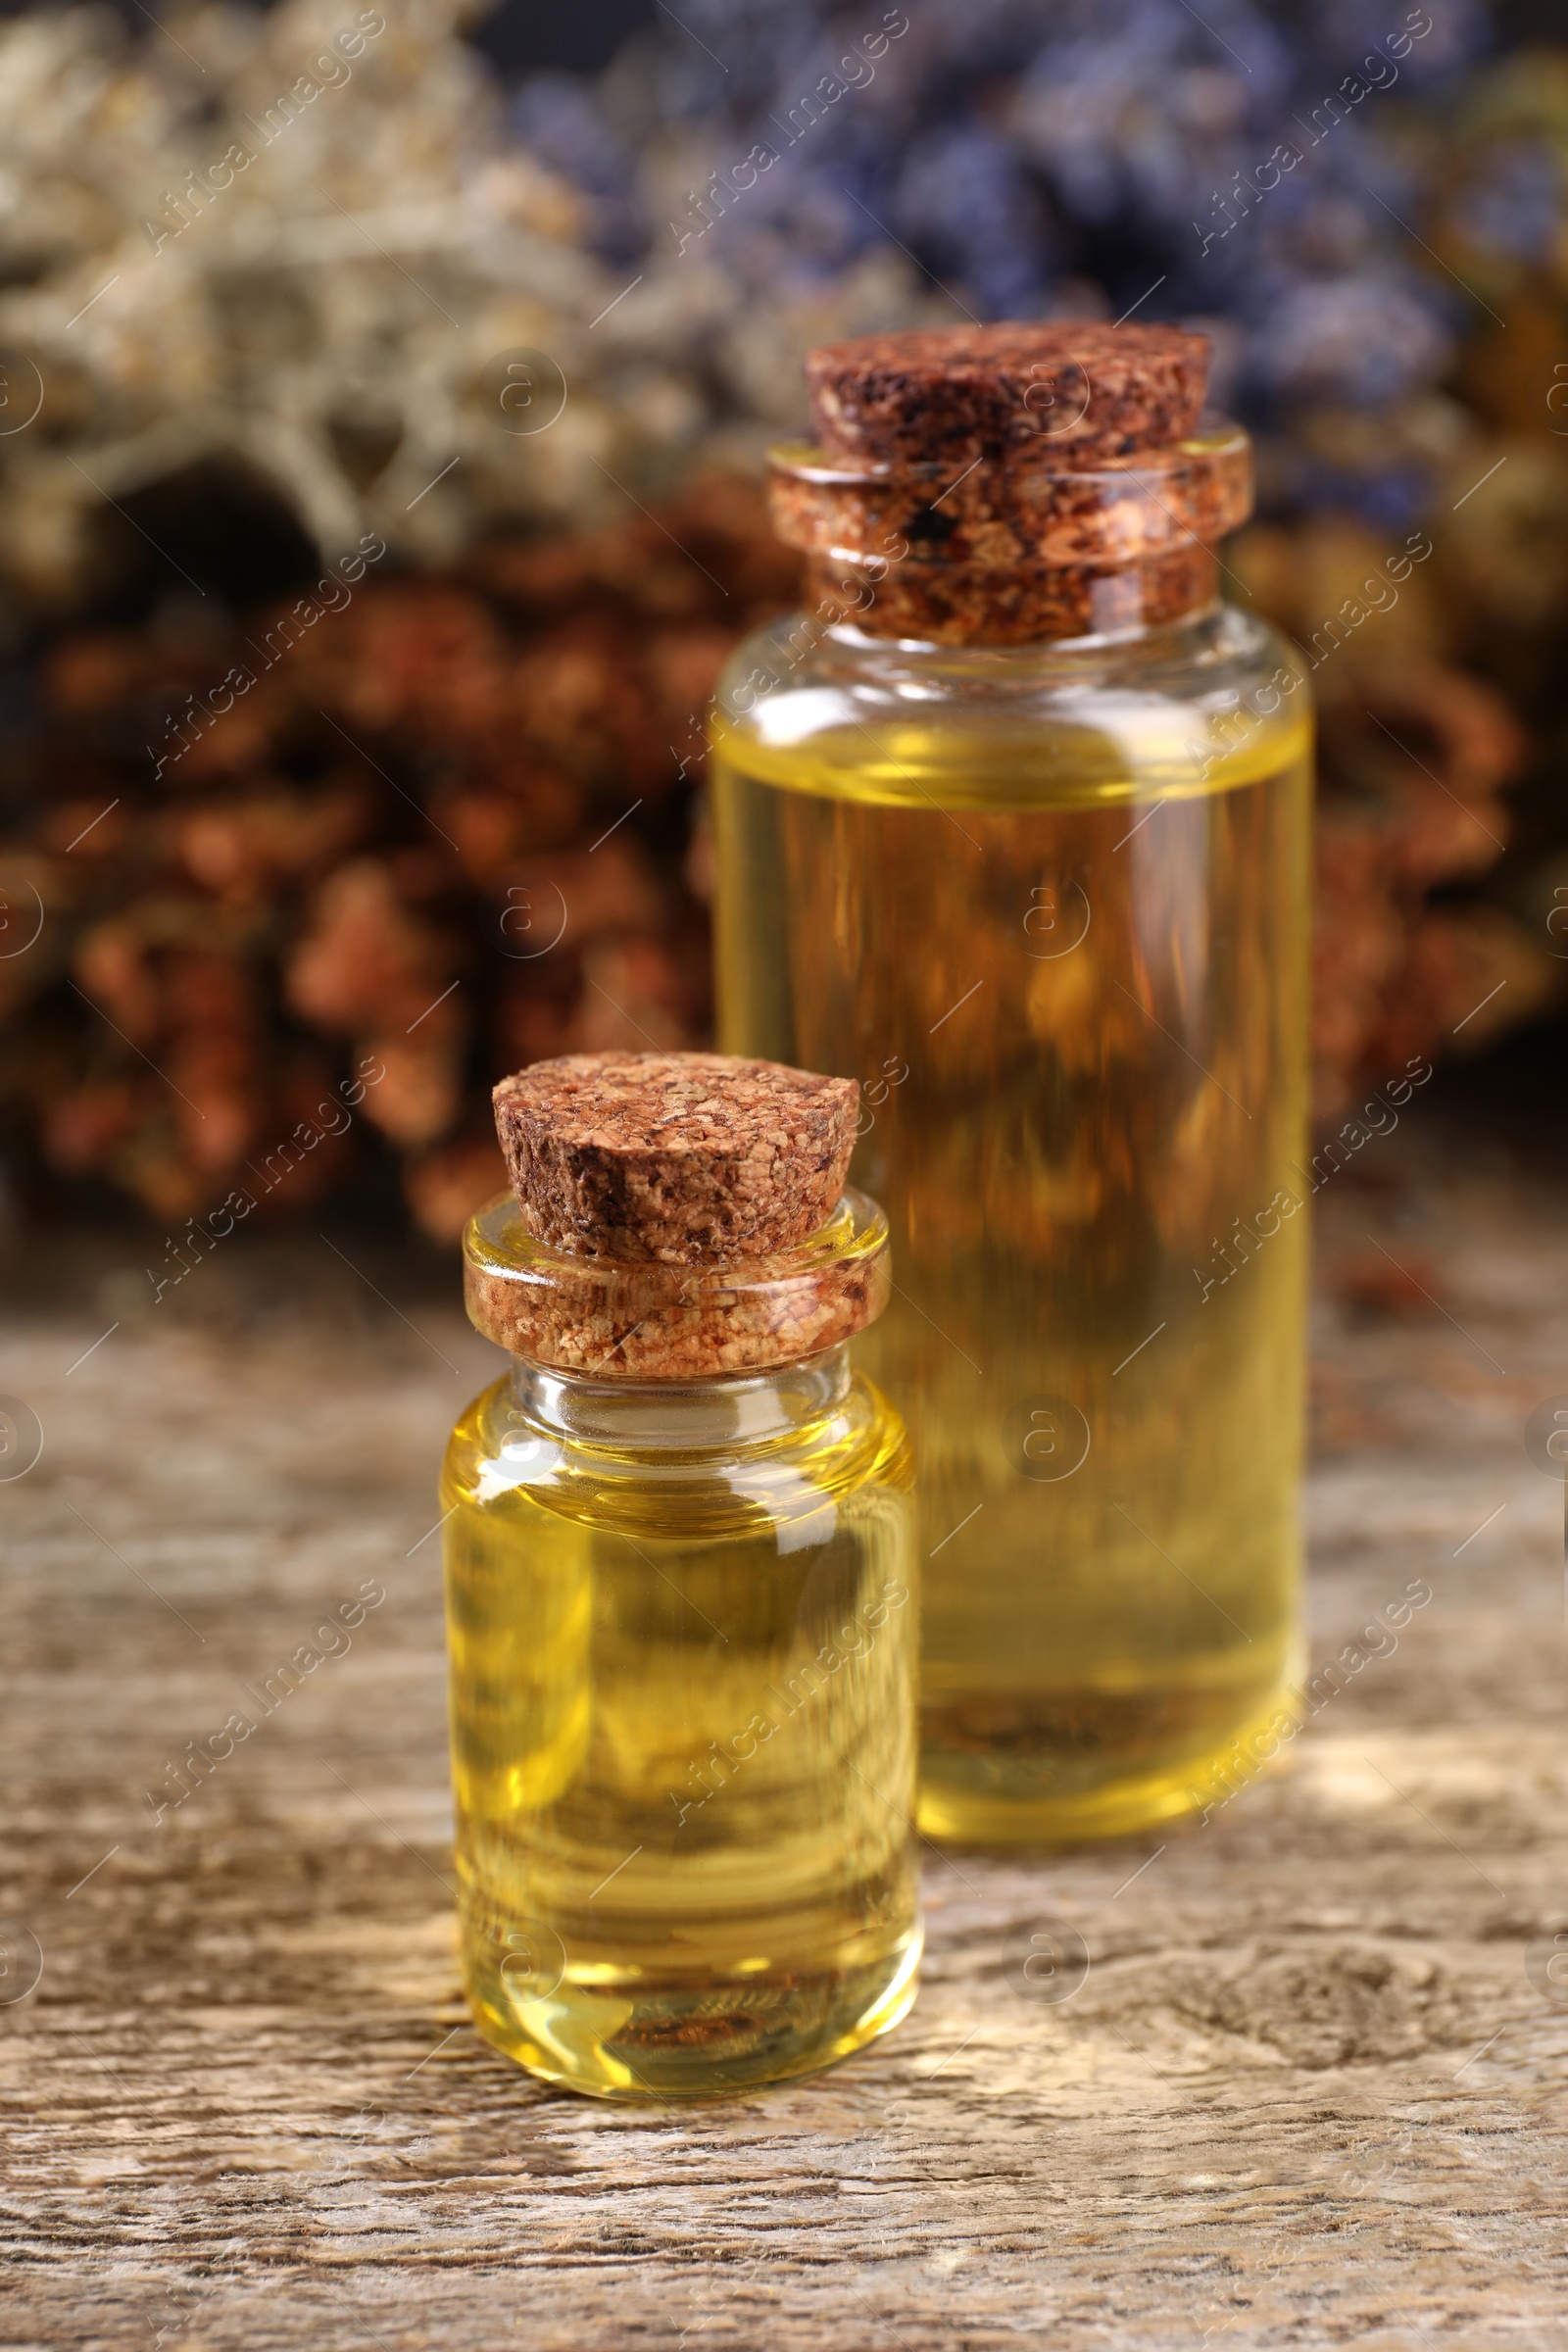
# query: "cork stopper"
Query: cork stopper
1005,485
950,396
677,1217
686,1159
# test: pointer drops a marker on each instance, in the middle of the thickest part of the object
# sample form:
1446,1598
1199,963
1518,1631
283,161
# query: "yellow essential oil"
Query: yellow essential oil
1049,901
682,1623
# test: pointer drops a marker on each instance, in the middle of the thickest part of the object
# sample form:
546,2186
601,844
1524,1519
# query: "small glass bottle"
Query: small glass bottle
682,1627
1012,823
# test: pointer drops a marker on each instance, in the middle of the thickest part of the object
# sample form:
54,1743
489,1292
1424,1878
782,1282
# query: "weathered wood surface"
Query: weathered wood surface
1312,2091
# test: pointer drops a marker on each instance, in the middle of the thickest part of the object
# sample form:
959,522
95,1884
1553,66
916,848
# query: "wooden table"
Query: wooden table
1311,2092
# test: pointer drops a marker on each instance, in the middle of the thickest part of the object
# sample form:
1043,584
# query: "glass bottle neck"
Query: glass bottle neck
695,1418
1020,547
1034,604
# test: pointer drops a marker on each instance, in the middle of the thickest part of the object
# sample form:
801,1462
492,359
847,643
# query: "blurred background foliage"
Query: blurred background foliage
261,277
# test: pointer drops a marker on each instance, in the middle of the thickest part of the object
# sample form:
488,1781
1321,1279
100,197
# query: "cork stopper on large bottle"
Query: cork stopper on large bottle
946,396
676,1216
1006,484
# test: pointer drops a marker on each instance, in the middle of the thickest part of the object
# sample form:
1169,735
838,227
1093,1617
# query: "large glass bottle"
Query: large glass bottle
1022,842
682,1626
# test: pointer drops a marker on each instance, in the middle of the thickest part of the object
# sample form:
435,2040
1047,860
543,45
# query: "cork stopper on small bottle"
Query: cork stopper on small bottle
690,1158
676,1216
1011,483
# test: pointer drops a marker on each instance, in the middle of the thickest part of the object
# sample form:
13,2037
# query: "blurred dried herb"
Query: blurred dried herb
443,830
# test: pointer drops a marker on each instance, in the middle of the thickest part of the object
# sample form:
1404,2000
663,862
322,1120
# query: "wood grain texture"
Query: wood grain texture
1311,2092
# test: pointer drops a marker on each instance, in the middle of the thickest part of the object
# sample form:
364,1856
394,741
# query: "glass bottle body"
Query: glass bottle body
682,1630
1049,904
